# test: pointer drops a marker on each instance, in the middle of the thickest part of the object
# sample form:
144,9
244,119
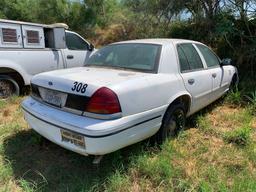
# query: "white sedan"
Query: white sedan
127,92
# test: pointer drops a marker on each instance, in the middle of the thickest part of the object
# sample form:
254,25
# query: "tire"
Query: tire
8,87
234,83
173,122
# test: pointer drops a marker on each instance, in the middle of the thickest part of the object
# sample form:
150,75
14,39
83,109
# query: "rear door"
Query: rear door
77,51
196,79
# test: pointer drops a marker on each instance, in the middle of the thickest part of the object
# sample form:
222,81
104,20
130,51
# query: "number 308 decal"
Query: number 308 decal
79,87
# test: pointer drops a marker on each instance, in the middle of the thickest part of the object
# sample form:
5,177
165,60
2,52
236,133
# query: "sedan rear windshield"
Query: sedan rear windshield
134,56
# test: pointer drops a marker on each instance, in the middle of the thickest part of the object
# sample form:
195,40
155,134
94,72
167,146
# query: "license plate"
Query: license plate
73,138
53,97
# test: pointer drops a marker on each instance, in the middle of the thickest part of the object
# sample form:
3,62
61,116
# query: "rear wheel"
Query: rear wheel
8,87
173,122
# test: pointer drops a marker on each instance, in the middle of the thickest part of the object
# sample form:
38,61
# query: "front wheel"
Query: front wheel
234,83
173,122
8,87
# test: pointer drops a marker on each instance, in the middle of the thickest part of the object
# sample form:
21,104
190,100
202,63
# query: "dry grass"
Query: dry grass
199,159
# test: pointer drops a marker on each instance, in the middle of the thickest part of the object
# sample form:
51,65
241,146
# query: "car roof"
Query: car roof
160,41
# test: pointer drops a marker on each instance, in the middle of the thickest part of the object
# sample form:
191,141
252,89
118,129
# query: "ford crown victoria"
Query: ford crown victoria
127,92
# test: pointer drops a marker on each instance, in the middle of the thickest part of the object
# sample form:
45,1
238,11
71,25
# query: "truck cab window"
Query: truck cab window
74,42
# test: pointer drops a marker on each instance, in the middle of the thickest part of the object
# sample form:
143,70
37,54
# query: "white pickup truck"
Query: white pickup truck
27,49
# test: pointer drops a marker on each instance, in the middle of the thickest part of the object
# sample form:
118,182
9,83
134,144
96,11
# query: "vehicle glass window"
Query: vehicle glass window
74,42
33,37
184,66
135,56
9,35
192,56
210,58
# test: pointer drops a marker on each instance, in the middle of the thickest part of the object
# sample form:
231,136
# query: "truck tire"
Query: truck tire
173,122
8,87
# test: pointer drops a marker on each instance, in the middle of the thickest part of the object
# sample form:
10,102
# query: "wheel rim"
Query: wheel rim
6,88
176,123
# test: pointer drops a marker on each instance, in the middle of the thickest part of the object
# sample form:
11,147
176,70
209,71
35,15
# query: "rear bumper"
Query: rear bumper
101,136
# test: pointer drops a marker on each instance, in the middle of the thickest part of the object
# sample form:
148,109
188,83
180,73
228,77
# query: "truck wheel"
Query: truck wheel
173,122
8,87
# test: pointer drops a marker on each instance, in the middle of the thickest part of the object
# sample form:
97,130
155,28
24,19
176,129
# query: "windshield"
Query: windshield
135,56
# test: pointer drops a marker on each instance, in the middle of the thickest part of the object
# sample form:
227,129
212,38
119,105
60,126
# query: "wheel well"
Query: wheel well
235,78
13,74
185,100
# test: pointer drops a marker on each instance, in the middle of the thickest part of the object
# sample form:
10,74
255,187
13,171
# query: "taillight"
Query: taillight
103,101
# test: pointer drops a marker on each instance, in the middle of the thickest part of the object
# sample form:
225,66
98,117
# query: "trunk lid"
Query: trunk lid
73,88
94,77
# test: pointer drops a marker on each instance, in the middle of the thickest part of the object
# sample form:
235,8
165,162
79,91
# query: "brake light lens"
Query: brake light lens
104,101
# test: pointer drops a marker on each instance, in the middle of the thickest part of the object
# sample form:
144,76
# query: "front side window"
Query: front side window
210,58
9,35
135,56
74,42
191,55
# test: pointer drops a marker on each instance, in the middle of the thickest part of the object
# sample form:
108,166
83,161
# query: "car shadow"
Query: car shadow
191,121
46,166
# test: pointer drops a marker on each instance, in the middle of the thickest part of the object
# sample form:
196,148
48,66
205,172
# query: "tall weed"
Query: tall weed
251,97
234,97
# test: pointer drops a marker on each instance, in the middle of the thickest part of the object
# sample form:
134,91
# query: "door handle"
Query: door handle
70,57
191,81
214,75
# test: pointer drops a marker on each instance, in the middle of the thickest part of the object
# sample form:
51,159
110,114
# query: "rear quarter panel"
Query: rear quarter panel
149,92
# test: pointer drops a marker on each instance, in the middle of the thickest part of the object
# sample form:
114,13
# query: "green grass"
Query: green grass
234,97
2,103
241,136
215,153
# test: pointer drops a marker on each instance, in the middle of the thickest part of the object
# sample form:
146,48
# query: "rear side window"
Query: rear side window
210,58
184,66
74,42
193,59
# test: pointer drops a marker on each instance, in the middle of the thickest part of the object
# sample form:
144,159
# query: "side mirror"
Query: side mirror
91,47
226,61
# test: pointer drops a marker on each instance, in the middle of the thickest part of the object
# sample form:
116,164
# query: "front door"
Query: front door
77,51
213,67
